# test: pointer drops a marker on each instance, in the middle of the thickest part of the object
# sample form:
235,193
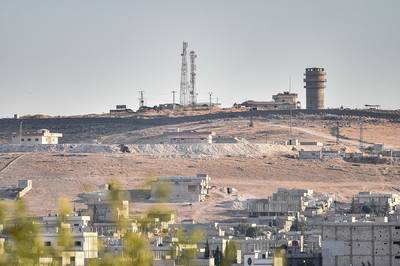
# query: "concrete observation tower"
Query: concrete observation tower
315,84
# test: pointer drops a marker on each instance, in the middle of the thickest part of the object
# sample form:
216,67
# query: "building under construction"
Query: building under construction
315,84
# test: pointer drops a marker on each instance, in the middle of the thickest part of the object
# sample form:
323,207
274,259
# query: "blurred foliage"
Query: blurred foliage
187,244
230,255
280,257
25,245
87,188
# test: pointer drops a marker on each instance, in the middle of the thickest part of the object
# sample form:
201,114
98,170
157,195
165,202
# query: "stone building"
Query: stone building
181,188
281,203
361,243
281,101
376,203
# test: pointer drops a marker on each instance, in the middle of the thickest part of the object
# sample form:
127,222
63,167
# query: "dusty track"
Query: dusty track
11,162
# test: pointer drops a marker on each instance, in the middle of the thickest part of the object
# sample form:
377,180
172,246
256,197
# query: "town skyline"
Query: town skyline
53,64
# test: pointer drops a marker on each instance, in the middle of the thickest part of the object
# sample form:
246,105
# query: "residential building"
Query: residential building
377,203
281,203
361,243
84,240
258,258
42,136
181,188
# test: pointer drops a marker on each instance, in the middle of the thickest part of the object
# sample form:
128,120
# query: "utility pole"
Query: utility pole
210,93
290,121
20,133
173,99
141,99
290,109
361,134
251,118
337,132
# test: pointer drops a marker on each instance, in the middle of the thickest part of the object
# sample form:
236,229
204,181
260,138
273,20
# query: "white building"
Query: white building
84,241
257,258
42,136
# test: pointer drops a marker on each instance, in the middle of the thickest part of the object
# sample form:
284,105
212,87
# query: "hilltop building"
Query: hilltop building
121,109
281,101
315,84
187,137
42,136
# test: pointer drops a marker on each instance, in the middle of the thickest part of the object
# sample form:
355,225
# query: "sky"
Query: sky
79,57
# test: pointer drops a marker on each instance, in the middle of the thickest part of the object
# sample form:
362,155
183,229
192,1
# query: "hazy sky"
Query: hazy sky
74,57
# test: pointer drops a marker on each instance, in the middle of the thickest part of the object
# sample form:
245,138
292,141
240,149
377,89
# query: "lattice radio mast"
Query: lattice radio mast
184,76
192,92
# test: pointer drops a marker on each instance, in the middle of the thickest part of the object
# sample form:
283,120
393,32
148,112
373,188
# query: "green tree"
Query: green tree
217,257
207,250
27,246
230,254
137,250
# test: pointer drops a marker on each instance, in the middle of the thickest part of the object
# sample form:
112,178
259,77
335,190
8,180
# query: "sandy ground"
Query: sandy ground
269,130
66,175
57,175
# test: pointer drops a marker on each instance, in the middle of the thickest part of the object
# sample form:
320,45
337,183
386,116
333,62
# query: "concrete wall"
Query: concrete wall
361,244
25,186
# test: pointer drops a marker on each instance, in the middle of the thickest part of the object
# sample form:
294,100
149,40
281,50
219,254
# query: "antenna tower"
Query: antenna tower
192,91
184,76
173,99
141,99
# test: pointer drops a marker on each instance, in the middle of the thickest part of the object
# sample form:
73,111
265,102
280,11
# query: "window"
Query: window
36,139
22,140
192,188
47,244
29,139
78,243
